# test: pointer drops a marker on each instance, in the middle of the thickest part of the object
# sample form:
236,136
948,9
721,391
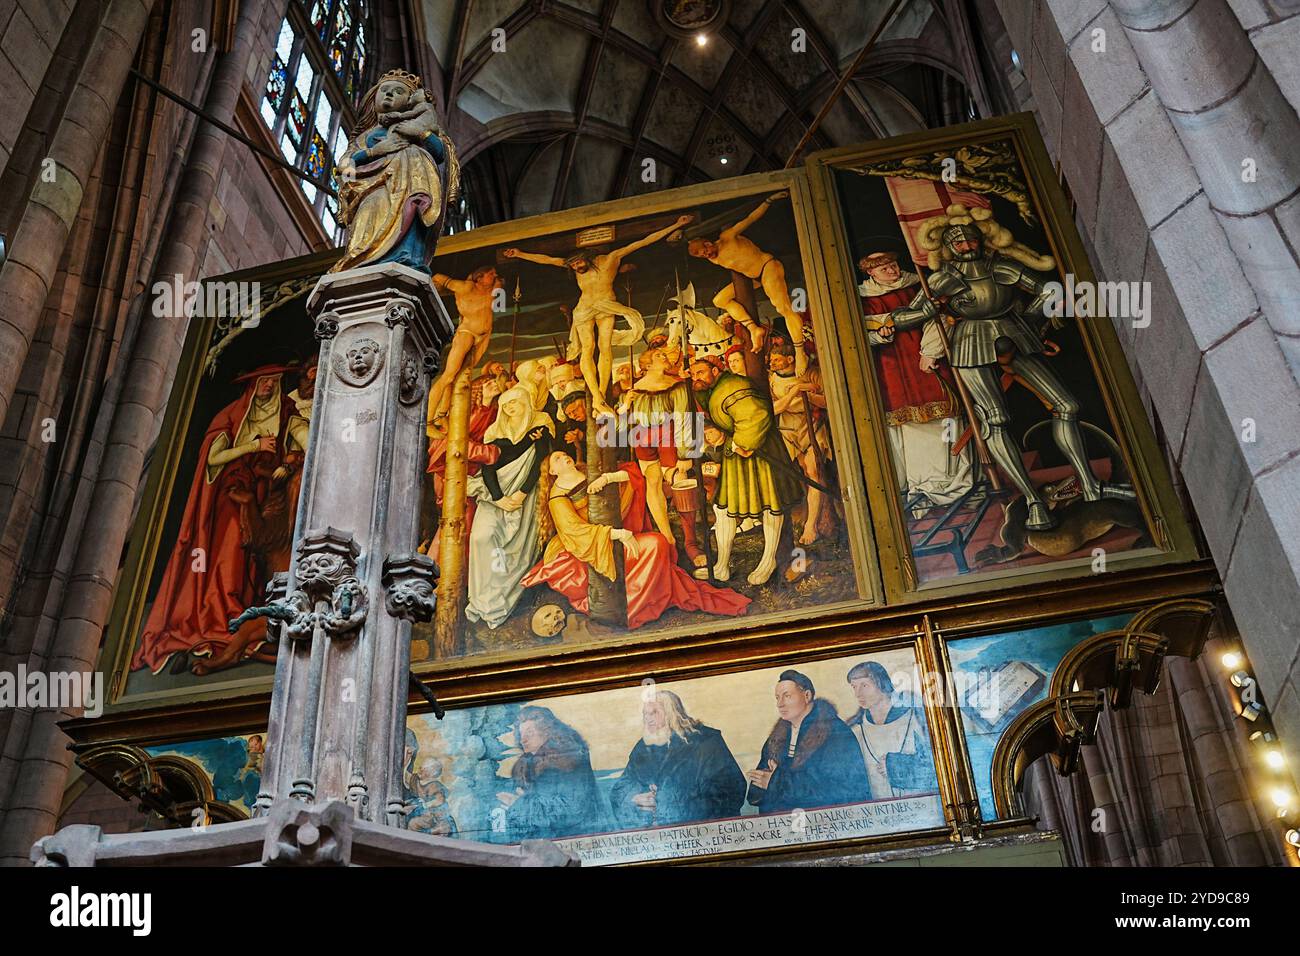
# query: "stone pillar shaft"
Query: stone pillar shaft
42,771
338,708
1240,133
37,246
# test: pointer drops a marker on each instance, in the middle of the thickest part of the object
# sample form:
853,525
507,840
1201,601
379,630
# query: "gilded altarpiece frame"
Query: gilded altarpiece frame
874,203
841,575
889,610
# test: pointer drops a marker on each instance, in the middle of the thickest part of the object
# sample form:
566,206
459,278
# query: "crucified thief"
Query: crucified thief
598,308
474,297
734,251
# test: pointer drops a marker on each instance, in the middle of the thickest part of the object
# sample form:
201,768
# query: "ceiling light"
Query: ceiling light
1275,759
1252,710
1281,797
1240,679
722,160
701,39
1231,661
1293,837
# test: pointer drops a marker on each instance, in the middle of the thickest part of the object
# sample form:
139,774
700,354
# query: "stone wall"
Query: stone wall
151,193
1153,110
30,31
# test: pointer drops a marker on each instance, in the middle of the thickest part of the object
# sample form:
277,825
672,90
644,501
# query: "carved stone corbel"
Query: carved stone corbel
410,586
326,571
299,834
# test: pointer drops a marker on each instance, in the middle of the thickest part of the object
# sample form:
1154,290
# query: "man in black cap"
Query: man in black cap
573,425
810,758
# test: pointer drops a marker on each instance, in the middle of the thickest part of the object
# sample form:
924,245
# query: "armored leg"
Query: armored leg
984,385
1065,424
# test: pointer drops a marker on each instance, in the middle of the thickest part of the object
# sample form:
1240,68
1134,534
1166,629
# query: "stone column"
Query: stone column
338,708
34,768
38,244
1240,133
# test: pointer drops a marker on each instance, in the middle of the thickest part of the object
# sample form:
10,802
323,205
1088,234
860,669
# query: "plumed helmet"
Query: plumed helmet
962,232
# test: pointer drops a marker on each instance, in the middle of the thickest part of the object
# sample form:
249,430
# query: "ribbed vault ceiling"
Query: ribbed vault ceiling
587,89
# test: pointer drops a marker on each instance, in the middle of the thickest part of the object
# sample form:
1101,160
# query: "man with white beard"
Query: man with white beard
680,771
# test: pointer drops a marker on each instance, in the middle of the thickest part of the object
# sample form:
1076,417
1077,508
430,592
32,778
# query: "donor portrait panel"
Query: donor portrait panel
782,756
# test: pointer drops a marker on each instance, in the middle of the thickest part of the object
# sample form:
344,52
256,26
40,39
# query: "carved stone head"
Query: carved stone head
362,357
394,96
321,571
410,385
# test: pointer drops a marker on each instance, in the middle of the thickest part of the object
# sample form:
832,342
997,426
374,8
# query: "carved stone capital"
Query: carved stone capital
399,312
299,834
327,325
410,586
326,571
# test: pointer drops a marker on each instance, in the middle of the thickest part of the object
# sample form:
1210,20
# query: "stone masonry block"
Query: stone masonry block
1269,265
1155,163
1168,354
1255,385
1198,59
1254,132
1213,292
1112,76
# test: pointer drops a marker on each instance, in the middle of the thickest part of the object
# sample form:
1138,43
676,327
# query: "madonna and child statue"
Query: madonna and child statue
397,177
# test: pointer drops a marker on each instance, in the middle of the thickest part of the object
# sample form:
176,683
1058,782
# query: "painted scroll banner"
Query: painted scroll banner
856,821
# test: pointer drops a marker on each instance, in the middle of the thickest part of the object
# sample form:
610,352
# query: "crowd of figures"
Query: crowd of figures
683,771
704,427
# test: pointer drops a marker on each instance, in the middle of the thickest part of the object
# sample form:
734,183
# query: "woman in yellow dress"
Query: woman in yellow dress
391,194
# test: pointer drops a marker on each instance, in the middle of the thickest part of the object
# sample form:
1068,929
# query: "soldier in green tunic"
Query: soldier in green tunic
749,486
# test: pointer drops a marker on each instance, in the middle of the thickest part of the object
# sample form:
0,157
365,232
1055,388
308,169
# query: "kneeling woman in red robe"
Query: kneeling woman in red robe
652,578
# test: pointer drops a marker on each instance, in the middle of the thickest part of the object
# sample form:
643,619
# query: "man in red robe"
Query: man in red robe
913,393
235,515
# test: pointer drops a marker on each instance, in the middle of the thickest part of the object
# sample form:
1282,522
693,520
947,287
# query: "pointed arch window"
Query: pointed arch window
320,67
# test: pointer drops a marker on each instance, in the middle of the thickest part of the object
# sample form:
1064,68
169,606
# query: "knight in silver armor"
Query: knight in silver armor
983,291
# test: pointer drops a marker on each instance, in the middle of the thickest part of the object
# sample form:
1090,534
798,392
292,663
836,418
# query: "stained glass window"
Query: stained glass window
318,69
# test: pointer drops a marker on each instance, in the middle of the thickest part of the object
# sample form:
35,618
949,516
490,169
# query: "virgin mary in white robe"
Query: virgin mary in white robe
504,540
